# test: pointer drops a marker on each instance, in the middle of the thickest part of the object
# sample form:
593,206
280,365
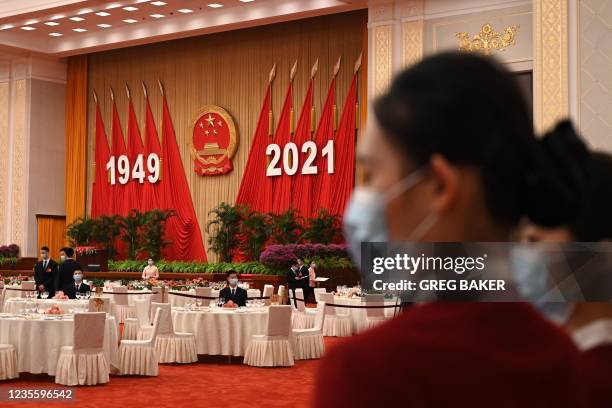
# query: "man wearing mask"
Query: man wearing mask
66,268
233,293
78,286
45,272
292,281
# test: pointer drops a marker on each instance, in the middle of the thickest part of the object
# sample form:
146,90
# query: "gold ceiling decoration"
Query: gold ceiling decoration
487,39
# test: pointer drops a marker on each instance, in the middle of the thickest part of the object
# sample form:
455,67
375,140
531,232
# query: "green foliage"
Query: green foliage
322,229
132,232
287,227
154,229
223,230
256,228
81,231
8,260
195,267
97,282
106,231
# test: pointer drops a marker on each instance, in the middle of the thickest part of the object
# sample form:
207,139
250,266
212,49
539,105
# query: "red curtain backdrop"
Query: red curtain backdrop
344,175
135,148
255,187
184,229
119,193
281,185
150,191
325,132
100,203
302,183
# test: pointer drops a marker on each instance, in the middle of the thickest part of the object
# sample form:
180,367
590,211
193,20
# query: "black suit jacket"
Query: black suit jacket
65,271
240,297
291,281
71,290
46,276
303,274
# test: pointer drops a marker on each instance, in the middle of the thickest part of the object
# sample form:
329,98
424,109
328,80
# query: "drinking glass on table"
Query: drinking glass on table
199,302
45,295
221,302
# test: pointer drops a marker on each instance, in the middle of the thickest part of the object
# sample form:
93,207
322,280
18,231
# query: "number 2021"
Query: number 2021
291,162
121,165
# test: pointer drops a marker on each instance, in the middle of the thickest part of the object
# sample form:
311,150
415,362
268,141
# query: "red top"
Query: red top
596,374
454,354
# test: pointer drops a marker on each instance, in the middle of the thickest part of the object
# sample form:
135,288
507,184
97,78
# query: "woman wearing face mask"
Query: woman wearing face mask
312,275
150,271
450,156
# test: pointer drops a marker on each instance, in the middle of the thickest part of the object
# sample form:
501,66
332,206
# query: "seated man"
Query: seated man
78,287
233,295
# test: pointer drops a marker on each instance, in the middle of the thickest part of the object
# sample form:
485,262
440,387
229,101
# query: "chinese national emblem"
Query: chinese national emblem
214,141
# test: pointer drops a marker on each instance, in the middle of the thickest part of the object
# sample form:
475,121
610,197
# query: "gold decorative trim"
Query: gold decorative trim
4,157
383,58
19,172
551,83
487,39
412,42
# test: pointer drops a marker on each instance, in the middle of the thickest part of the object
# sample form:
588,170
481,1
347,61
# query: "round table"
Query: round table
221,331
132,295
358,316
39,339
13,291
15,305
179,301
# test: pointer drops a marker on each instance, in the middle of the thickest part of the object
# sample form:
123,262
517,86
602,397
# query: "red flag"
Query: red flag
184,229
136,157
344,176
100,203
324,133
150,191
120,198
255,187
281,185
302,183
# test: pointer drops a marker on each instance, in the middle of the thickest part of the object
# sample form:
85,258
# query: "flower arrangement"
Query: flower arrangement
9,251
283,256
54,310
59,295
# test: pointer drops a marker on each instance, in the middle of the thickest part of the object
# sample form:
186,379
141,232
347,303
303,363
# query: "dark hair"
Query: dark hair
230,272
468,109
68,251
594,221
44,248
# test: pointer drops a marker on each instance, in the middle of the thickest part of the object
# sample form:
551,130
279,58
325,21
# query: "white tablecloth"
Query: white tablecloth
221,331
358,316
131,296
38,342
180,300
12,291
15,305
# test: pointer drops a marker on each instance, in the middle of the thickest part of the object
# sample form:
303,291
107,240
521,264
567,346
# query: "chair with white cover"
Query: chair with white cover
27,287
160,293
308,343
303,317
121,309
374,316
98,304
268,291
84,363
205,292
282,292
335,325
139,327
318,291
8,362
171,346
138,357
272,349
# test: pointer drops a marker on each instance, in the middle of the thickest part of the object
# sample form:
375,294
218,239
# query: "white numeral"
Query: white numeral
138,172
274,151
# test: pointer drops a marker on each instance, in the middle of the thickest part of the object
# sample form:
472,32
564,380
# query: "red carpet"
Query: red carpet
212,382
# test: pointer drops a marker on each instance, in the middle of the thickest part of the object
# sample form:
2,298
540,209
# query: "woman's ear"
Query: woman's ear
446,177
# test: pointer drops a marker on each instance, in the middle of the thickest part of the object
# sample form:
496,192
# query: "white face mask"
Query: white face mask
62,258
150,263
365,219
233,282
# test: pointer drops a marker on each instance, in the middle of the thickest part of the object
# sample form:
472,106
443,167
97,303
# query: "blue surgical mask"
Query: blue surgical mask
365,219
77,277
233,282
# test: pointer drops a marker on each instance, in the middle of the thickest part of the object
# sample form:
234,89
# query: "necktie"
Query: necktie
233,292
44,265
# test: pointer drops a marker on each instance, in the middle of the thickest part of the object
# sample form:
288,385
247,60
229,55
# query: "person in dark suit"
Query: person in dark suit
45,273
77,286
232,292
292,281
66,269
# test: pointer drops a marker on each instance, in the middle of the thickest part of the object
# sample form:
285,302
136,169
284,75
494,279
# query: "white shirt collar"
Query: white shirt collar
594,334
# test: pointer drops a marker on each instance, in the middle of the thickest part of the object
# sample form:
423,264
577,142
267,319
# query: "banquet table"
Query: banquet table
221,331
39,339
358,316
179,301
15,305
12,291
132,295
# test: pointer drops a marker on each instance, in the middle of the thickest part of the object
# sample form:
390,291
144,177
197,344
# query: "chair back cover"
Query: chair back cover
156,319
301,302
89,331
204,292
320,316
375,300
318,291
159,294
120,295
165,319
268,290
281,291
143,314
328,298
27,286
98,304
279,320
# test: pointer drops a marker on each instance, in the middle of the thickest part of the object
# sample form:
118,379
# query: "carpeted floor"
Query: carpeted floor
213,382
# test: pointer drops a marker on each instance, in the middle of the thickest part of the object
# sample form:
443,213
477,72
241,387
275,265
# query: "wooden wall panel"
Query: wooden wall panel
51,233
228,69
